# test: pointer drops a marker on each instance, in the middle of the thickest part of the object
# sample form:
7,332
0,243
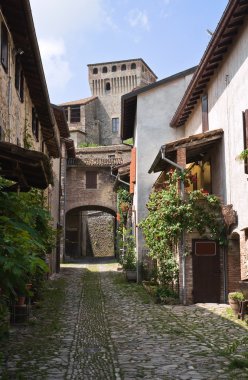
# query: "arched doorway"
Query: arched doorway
90,232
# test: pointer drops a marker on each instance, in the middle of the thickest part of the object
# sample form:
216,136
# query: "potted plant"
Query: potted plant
234,299
129,259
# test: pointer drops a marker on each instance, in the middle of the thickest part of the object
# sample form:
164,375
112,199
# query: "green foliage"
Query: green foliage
128,141
87,145
128,246
27,138
238,363
243,155
236,296
26,236
169,215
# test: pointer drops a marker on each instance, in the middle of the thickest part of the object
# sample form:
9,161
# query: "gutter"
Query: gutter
117,177
184,294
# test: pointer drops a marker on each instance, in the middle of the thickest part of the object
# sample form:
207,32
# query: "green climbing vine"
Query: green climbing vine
170,214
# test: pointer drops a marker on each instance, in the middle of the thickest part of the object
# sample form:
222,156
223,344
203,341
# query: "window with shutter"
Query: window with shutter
35,125
91,180
4,47
204,100
115,124
19,78
75,114
245,134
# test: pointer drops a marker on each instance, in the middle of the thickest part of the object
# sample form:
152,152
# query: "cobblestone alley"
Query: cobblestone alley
93,325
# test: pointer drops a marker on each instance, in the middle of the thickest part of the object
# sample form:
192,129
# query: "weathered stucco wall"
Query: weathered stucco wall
227,99
155,109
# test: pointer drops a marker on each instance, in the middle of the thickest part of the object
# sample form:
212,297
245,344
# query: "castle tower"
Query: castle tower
109,81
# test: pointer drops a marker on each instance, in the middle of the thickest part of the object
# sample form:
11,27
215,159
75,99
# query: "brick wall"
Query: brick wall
233,265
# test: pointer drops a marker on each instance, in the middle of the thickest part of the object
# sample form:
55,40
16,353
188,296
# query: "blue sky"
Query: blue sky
170,35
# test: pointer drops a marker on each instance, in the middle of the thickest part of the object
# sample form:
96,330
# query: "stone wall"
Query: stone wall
101,234
120,82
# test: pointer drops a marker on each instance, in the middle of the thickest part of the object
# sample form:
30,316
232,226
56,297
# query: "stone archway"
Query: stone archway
90,232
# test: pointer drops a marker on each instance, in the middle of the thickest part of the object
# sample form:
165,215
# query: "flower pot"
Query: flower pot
21,300
235,305
28,286
131,275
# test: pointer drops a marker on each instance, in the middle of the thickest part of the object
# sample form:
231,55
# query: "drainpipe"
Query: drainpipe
118,178
182,236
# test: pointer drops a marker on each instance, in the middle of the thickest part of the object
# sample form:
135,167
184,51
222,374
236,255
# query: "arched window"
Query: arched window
133,66
104,69
113,68
123,67
107,86
95,70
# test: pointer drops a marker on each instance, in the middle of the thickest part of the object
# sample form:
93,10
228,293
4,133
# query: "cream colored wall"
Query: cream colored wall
155,109
227,99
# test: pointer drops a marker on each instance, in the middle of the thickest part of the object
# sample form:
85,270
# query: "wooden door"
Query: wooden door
206,271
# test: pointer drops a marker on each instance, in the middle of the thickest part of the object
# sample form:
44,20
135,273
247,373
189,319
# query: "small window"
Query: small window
204,100
35,125
111,156
133,66
114,68
123,67
4,47
19,78
115,124
91,180
75,114
104,69
107,86
95,70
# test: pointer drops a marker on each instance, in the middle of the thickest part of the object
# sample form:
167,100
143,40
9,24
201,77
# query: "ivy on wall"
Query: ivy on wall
170,214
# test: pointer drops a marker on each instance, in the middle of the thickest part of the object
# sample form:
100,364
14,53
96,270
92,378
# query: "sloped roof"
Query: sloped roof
80,101
234,16
59,114
195,145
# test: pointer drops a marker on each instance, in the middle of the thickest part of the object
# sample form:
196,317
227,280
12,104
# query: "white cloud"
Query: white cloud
60,17
53,54
138,18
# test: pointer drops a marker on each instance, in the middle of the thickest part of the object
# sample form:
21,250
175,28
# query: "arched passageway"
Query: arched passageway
90,232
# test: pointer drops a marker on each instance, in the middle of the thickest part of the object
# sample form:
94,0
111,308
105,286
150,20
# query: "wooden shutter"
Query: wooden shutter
91,180
4,47
205,126
133,170
245,131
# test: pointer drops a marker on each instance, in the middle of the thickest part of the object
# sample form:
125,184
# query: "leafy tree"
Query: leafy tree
26,235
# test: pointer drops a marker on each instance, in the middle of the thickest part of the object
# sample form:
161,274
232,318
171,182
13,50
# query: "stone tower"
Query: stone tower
97,119
109,81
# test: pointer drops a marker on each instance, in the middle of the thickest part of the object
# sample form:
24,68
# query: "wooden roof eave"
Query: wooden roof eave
27,167
218,46
201,140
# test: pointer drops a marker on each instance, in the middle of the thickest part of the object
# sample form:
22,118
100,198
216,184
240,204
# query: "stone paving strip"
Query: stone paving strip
95,326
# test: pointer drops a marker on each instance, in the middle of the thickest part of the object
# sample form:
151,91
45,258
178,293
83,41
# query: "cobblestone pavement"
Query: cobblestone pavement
95,326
